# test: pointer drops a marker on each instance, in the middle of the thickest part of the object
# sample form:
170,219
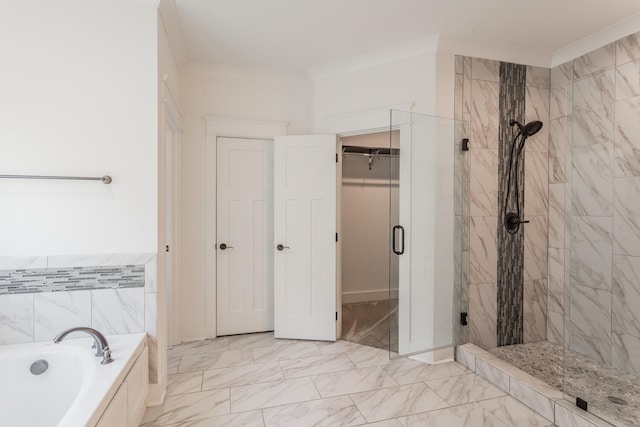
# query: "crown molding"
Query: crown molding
170,21
596,40
466,47
375,58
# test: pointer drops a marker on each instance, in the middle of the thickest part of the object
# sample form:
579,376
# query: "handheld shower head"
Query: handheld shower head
529,129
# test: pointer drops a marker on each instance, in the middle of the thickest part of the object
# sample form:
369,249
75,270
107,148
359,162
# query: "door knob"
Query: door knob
224,246
281,247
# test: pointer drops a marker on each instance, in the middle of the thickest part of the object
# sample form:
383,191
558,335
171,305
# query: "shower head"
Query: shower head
529,129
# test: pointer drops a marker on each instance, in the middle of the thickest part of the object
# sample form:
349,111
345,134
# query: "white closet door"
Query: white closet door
305,227
244,236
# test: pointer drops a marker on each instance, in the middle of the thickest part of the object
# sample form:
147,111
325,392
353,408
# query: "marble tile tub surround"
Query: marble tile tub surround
594,171
260,388
40,316
536,395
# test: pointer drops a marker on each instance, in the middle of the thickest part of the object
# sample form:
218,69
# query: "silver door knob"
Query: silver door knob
224,246
281,247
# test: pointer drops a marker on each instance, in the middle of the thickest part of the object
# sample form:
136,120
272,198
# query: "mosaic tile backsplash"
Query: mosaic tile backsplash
35,280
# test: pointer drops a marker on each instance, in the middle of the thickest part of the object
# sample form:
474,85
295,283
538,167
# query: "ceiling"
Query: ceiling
295,35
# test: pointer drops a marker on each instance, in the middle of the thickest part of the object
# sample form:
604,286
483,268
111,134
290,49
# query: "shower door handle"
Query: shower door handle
394,245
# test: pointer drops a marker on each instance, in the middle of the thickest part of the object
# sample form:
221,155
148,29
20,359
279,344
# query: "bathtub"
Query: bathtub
75,389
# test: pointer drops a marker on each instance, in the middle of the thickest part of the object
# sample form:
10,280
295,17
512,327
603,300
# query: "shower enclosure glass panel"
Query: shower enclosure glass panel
424,260
601,338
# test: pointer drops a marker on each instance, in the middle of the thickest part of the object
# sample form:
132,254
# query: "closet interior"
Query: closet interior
370,165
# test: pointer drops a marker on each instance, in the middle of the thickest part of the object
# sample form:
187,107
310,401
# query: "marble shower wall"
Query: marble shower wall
477,103
40,316
594,205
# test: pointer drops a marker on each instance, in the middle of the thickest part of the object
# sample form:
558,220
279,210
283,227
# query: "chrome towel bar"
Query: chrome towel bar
105,179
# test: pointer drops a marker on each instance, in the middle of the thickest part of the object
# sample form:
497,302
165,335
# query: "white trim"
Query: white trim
373,295
411,49
596,40
170,22
231,128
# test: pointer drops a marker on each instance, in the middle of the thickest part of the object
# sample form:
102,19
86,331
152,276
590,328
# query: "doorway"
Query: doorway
244,252
370,163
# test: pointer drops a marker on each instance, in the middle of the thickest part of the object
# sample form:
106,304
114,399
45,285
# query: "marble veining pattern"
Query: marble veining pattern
556,215
627,80
626,295
592,180
535,310
482,314
483,261
557,150
536,183
247,395
484,113
591,252
16,318
626,217
593,61
118,311
483,189
56,311
628,48
627,138
590,316
593,108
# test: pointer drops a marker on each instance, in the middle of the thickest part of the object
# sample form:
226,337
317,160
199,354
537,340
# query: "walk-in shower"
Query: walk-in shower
512,220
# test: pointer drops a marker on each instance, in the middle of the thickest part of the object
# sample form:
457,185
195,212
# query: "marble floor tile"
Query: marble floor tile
297,350
221,359
398,401
464,389
296,368
244,419
469,415
188,382
265,339
173,363
196,348
367,357
241,375
354,381
274,393
406,371
339,346
513,413
188,407
394,422
337,411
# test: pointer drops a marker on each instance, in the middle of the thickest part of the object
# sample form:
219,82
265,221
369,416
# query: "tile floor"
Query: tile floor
257,380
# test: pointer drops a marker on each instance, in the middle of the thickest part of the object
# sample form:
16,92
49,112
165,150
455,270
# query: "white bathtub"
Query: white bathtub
75,389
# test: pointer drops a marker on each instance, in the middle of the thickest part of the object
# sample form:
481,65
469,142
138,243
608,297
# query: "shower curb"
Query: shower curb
537,395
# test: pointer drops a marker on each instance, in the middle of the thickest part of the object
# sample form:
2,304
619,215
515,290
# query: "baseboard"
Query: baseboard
156,394
364,296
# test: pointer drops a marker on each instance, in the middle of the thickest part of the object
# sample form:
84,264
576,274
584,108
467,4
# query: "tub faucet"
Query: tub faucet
100,342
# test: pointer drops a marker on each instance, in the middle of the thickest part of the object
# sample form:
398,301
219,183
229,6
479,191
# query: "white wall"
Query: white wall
406,81
365,222
232,93
79,97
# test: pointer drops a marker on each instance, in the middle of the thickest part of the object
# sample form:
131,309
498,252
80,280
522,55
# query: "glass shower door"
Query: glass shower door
422,264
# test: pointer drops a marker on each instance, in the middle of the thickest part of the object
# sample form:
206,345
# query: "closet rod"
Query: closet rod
370,155
105,179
